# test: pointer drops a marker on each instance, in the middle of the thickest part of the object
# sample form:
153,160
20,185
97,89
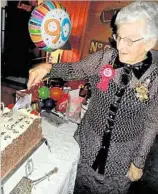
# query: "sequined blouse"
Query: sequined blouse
134,124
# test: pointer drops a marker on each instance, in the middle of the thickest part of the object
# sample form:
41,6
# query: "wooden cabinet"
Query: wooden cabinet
7,95
8,91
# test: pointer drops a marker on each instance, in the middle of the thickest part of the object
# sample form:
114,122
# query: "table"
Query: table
64,155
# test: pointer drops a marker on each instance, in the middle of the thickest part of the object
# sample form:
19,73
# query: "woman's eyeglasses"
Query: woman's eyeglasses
127,41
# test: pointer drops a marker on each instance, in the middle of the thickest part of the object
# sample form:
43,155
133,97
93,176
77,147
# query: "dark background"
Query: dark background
19,50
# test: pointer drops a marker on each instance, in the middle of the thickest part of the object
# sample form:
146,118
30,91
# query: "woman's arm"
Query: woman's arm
151,130
78,70
70,71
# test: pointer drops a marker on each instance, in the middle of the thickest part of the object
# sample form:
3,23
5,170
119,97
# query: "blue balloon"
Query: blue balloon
49,104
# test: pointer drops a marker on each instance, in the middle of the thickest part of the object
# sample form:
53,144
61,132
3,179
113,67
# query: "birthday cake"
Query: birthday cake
20,134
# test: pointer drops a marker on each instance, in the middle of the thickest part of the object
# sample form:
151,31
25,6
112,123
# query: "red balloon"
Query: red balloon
56,93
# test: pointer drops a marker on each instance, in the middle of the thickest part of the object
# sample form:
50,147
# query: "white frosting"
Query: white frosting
12,127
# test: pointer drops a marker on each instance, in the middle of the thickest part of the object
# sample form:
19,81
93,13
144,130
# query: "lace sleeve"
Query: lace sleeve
82,69
151,130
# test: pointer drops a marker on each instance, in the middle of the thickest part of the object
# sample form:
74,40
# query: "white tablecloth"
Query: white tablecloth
64,155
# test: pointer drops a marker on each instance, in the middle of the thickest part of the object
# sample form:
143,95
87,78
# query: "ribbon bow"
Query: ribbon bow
107,73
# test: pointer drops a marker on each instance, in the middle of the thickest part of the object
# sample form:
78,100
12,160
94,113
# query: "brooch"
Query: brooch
142,91
107,73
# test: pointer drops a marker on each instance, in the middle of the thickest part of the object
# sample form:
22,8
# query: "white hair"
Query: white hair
141,10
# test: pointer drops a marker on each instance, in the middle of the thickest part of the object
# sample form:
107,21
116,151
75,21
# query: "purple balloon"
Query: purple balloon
49,104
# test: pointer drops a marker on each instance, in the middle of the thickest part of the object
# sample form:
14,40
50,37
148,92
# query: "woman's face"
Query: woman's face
135,52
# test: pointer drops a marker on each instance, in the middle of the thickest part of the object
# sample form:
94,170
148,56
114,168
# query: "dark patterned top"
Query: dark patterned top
135,123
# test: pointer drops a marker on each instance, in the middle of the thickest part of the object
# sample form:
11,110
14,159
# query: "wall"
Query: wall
3,3
78,11
95,29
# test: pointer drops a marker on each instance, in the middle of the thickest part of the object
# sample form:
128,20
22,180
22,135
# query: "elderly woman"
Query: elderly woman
121,122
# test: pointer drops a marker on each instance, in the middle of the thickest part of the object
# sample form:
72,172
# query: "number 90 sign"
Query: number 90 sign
49,26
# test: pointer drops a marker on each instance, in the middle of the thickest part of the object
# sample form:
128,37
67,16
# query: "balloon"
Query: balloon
41,104
56,93
43,92
49,104
49,26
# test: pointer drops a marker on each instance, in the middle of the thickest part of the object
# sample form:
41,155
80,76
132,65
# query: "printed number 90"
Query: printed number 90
59,29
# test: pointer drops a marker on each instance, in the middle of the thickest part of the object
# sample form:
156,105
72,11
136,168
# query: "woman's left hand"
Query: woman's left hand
134,173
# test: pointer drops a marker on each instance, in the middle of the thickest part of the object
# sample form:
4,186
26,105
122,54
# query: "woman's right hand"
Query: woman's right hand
37,73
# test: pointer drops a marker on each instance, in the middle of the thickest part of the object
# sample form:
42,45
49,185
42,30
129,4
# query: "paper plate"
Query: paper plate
49,26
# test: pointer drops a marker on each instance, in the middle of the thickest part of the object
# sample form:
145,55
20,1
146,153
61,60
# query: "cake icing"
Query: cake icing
20,133
12,127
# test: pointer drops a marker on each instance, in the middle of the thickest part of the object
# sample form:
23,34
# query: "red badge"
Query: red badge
107,73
